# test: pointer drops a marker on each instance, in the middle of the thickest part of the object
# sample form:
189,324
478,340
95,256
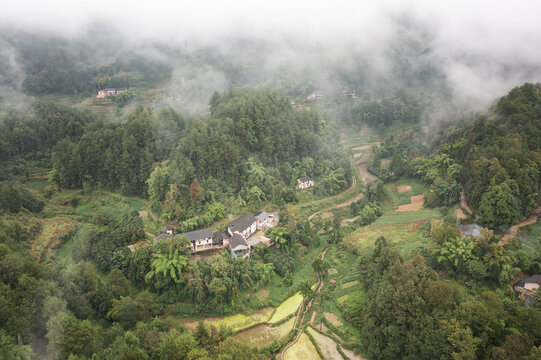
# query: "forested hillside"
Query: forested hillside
238,196
251,150
501,156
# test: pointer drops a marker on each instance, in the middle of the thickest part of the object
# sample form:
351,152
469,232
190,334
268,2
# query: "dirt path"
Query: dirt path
350,220
304,311
512,232
366,177
365,174
345,203
463,201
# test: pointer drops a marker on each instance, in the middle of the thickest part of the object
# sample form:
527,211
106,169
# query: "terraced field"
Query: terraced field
302,349
287,308
262,335
328,346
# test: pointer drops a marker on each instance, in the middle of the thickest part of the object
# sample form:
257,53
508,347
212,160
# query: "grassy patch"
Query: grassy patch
350,284
240,322
263,335
287,308
304,271
302,349
407,217
51,236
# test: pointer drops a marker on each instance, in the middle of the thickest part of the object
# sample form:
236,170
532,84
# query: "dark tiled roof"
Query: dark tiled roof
241,223
304,179
166,227
220,237
533,279
236,240
161,237
472,230
198,234
262,215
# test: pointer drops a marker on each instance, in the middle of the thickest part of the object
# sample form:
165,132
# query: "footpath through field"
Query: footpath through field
512,232
303,310
365,175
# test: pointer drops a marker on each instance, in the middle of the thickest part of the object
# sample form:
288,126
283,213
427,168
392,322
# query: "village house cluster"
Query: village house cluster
238,238
105,93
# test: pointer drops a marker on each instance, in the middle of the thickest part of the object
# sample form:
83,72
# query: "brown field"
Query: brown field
403,188
333,271
313,317
333,319
417,203
327,345
262,295
384,162
351,355
143,213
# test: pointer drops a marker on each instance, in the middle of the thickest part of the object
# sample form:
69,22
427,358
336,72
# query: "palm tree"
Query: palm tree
167,267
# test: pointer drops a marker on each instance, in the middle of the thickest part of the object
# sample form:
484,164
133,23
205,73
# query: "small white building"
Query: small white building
316,95
200,239
263,220
245,226
532,283
304,182
167,229
105,93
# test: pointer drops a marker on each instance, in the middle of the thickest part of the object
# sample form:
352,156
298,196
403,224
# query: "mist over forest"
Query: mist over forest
259,180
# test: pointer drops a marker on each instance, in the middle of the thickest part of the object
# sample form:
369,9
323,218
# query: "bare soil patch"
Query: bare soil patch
347,221
365,130
417,203
143,213
464,202
333,281
262,295
366,175
333,271
364,147
333,319
313,317
384,162
361,158
351,355
460,214
343,136
403,188
416,226
39,176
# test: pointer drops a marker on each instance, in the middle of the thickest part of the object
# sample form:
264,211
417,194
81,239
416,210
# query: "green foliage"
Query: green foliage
455,254
68,335
305,288
250,151
166,269
426,228
109,238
